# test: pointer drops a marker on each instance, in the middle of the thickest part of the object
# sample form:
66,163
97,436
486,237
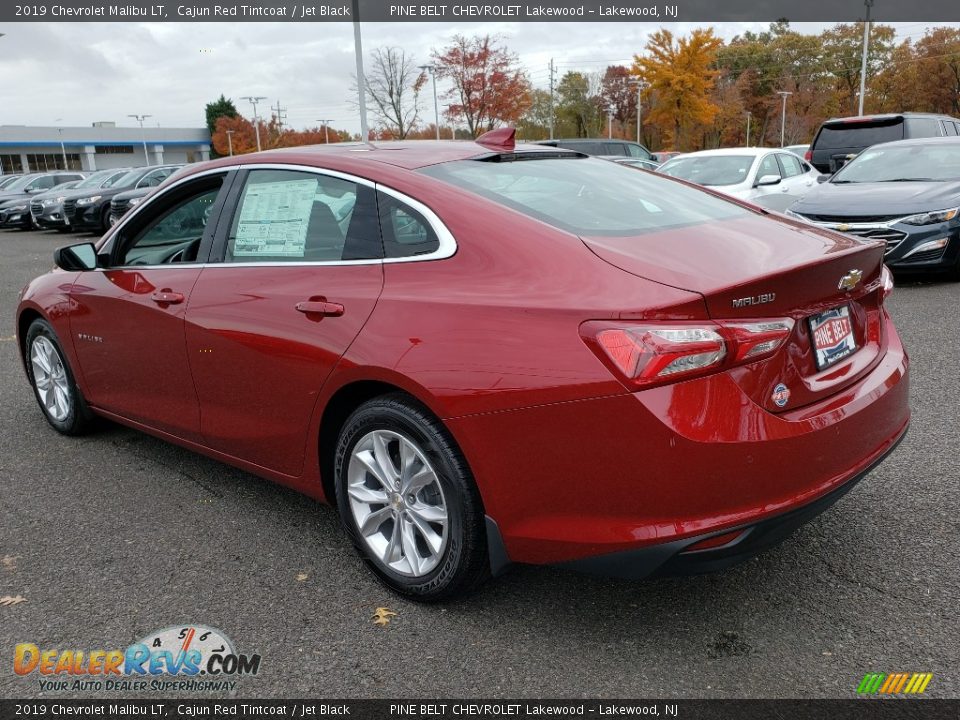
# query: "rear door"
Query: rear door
796,181
297,272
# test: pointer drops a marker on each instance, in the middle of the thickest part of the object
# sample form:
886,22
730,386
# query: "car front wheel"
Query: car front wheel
408,501
53,382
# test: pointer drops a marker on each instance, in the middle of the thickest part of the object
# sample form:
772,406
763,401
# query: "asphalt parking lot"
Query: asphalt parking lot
117,534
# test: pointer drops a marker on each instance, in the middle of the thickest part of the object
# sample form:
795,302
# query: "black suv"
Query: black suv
91,210
840,139
601,146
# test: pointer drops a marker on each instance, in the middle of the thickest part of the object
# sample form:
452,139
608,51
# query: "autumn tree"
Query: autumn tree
393,84
489,88
617,94
535,123
221,107
938,61
682,73
244,140
577,109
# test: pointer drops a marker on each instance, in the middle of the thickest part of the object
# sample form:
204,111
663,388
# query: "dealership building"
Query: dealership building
101,146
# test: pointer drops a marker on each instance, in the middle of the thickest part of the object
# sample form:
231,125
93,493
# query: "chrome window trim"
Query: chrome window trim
447,249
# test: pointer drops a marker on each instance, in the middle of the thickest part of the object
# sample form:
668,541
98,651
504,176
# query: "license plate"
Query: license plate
832,334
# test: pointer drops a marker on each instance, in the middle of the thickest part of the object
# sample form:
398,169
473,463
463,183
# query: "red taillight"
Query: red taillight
886,283
656,353
808,156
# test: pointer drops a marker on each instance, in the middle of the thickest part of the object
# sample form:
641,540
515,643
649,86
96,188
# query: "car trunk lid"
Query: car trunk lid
755,268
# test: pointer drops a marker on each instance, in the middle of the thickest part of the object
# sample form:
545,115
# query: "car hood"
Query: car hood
130,194
13,196
879,198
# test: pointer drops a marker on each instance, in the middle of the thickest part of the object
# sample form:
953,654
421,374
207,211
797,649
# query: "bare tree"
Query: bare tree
393,85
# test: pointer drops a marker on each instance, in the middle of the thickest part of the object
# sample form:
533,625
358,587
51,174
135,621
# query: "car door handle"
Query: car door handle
167,297
320,307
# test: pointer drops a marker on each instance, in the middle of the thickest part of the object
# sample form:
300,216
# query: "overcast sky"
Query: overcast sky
86,72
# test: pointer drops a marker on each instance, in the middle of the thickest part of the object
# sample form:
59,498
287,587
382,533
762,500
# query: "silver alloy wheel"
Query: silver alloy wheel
397,502
50,378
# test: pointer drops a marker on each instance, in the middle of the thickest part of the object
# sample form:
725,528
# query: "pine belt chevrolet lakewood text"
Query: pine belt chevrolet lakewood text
485,353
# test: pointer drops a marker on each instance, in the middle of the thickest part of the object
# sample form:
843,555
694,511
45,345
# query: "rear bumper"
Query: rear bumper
665,468
677,558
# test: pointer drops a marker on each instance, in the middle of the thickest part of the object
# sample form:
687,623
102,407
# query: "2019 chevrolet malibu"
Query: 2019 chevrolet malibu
485,353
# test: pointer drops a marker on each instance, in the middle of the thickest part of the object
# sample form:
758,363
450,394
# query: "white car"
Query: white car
773,178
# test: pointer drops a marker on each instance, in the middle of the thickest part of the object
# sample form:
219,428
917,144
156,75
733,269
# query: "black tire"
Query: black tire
78,420
464,562
105,219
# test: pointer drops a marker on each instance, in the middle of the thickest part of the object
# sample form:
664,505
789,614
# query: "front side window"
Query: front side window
588,196
42,183
175,234
900,163
296,216
791,165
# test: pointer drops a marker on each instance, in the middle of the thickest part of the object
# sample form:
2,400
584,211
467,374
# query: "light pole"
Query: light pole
641,85
749,114
783,116
143,135
610,122
361,78
254,99
326,130
63,150
230,141
436,108
863,60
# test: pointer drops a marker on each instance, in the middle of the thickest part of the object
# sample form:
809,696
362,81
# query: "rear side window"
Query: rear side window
923,127
951,127
637,151
294,216
844,136
406,233
586,196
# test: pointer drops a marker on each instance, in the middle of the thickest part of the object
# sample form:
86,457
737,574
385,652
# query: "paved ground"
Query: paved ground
118,534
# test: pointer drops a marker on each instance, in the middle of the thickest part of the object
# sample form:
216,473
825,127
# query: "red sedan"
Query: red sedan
485,353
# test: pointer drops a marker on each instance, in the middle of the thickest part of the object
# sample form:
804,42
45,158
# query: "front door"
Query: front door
127,319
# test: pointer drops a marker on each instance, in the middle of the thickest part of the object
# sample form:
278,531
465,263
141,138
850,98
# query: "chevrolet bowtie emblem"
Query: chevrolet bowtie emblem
850,280
843,228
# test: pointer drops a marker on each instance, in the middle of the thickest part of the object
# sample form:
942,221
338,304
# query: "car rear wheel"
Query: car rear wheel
53,382
408,501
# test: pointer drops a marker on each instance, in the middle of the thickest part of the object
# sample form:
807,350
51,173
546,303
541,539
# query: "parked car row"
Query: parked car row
70,201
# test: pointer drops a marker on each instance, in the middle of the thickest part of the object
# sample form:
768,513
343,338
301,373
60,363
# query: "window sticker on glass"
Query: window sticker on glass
274,217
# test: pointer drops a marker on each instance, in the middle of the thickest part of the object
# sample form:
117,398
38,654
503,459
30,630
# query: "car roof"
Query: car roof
950,140
406,154
753,151
852,119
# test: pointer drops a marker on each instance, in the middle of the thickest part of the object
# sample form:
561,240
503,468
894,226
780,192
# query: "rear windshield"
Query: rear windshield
586,196
903,163
710,169
858,135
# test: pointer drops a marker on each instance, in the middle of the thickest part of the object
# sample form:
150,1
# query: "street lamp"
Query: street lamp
610,122
230,141
63,149
143,135
863,59
783,116
326,130
254,99
361,78
436,108
749,114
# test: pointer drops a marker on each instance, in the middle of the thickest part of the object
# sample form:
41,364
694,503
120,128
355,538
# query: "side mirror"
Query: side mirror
768,180
34,190
823,178
82,256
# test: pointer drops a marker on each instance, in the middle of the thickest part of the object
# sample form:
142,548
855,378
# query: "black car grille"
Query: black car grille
36,207
69,209
119,207
852,218
891,237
